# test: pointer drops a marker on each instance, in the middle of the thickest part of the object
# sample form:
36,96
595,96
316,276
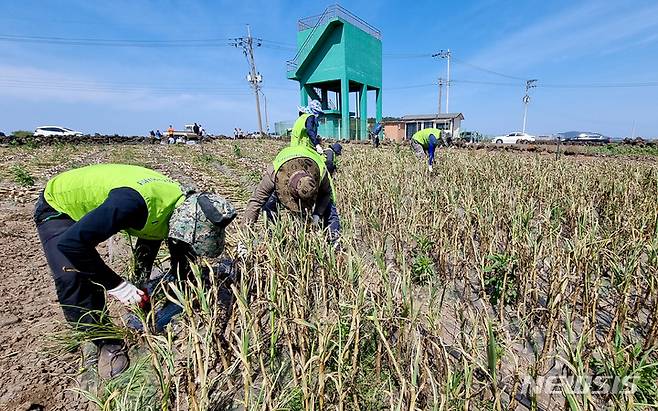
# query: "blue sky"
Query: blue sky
130,90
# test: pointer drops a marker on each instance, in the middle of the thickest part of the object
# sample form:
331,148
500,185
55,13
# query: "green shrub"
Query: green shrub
22,134
22,177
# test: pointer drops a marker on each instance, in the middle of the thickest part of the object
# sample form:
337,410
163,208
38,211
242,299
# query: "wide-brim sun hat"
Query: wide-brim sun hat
201,221
315,107
307,173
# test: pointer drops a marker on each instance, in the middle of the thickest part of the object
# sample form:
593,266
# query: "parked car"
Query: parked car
585,136
516,137
55,131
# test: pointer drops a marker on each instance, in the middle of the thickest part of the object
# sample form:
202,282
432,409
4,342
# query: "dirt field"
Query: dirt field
35,378
29,313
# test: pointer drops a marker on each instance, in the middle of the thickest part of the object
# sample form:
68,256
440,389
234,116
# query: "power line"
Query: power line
486,70
407,55
603,85
71,41
104,42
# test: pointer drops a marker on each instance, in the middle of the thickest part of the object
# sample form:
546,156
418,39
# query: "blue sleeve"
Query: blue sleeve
432,147
312,129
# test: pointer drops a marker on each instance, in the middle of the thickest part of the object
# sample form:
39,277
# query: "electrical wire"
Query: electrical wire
68,41
485,70
101,42
601,85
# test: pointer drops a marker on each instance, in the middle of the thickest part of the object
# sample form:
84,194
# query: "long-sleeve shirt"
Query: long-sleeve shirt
124,208
311,125
266,188
330,160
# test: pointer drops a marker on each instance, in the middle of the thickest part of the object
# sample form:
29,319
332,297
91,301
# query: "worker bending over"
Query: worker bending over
305,129
299,181
424,143
330,155
83,207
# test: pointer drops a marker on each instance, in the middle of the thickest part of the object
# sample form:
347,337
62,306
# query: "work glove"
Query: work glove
127,293
319,149
316,220
430,168
334,240
241,250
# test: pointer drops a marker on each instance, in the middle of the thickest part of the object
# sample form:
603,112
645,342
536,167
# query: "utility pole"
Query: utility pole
529,84
267,120
254,78
440,94
445,54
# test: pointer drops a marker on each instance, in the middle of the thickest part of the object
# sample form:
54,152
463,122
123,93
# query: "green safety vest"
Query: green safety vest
79,191
289,153
299,136
422,137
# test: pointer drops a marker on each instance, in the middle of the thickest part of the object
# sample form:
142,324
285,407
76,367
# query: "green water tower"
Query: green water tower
338,54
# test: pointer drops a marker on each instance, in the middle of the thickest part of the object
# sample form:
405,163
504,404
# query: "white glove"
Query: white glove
319,149
430,169
127,293
242,250
316,219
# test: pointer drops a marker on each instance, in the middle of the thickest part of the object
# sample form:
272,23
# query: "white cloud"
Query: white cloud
592,28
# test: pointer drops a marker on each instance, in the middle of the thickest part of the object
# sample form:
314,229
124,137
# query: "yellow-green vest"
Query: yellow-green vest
422,137
299,136
79,191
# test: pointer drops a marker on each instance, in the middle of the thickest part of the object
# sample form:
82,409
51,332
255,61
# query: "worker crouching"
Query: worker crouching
83,207
298,181
424,143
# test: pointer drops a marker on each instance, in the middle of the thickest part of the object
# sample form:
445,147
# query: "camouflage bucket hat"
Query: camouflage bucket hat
296,183
200,221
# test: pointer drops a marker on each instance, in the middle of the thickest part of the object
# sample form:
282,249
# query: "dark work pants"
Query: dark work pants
81,300
271,208
331,219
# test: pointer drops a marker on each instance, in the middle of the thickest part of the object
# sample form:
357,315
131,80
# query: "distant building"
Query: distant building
282,128
405,127
339,63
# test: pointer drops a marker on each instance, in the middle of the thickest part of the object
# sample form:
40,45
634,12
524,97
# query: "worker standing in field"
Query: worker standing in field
424,143
305,129
170,132
83,207
297,180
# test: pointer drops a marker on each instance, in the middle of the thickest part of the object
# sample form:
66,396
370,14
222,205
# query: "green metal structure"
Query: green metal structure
338,53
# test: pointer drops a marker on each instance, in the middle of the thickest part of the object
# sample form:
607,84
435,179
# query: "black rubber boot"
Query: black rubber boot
112,360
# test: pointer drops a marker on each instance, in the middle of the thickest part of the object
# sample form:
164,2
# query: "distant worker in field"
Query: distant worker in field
299,181
83,207
424,144
331,160
170,132
158,135
195,129
305,129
